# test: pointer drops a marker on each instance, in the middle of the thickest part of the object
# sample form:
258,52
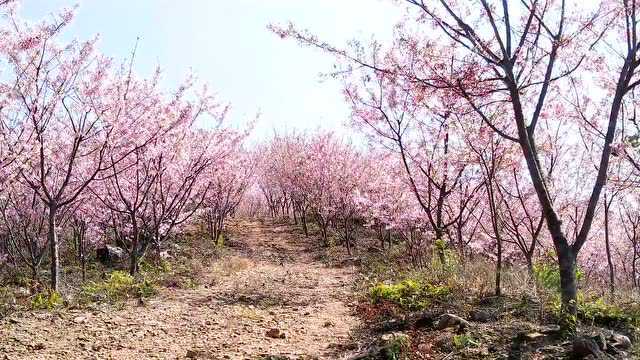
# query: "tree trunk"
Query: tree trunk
83,259
54,249
499,270
529,259
568,288
440,247
607,204
460,242
303,216
133,264
634,271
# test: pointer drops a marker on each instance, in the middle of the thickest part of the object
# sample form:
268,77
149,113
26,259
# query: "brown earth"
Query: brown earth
271,296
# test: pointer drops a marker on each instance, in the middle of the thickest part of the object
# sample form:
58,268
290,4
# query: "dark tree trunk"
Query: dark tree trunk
568,284
133,263
607,204
305,228
440,247
81,254
54,249
498,289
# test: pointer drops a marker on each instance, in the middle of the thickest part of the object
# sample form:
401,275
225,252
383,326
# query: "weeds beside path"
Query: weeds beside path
272,279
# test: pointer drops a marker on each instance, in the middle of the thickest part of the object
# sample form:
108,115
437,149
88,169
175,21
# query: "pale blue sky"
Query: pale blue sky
226,43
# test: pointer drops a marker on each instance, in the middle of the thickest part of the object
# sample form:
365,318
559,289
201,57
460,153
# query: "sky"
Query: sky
226,44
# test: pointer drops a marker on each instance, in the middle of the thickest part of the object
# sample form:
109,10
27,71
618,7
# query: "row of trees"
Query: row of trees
314,177
91,153
476,200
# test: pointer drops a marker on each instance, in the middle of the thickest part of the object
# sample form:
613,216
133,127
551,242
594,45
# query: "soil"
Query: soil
276,299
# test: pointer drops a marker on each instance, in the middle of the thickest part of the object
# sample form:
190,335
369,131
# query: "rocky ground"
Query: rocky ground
275,298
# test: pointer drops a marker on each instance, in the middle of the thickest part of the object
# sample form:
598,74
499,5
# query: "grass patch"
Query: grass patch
396,347
118,286
463,341
47,300
598,311
410,294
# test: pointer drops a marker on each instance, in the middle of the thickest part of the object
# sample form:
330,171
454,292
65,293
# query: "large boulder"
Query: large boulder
109,255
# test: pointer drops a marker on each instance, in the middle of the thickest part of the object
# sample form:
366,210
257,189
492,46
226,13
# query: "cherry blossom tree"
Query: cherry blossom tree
522,61
229,182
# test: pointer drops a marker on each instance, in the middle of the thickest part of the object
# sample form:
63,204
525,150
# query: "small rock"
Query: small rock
275,334
481,316
38,346
600,341
450,320
79,320
108,255
532,336
583,347
392,325
422,319
328,324
489,300
395,337
552,329
22,292
620,341
192,354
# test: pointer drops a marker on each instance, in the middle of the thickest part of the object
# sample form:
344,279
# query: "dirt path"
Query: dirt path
276,282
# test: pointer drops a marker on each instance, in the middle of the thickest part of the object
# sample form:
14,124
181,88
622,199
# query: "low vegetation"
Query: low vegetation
410,294
116,287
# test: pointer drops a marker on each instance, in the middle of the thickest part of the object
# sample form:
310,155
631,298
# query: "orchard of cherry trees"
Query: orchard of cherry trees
500,130
512,124
92,154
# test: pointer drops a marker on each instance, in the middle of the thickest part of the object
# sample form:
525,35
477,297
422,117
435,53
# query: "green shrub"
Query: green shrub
596,311
395,347
155,270
146,289
47,300
548,275
410,294
118,286
441,251
600,312
220,241
462,341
